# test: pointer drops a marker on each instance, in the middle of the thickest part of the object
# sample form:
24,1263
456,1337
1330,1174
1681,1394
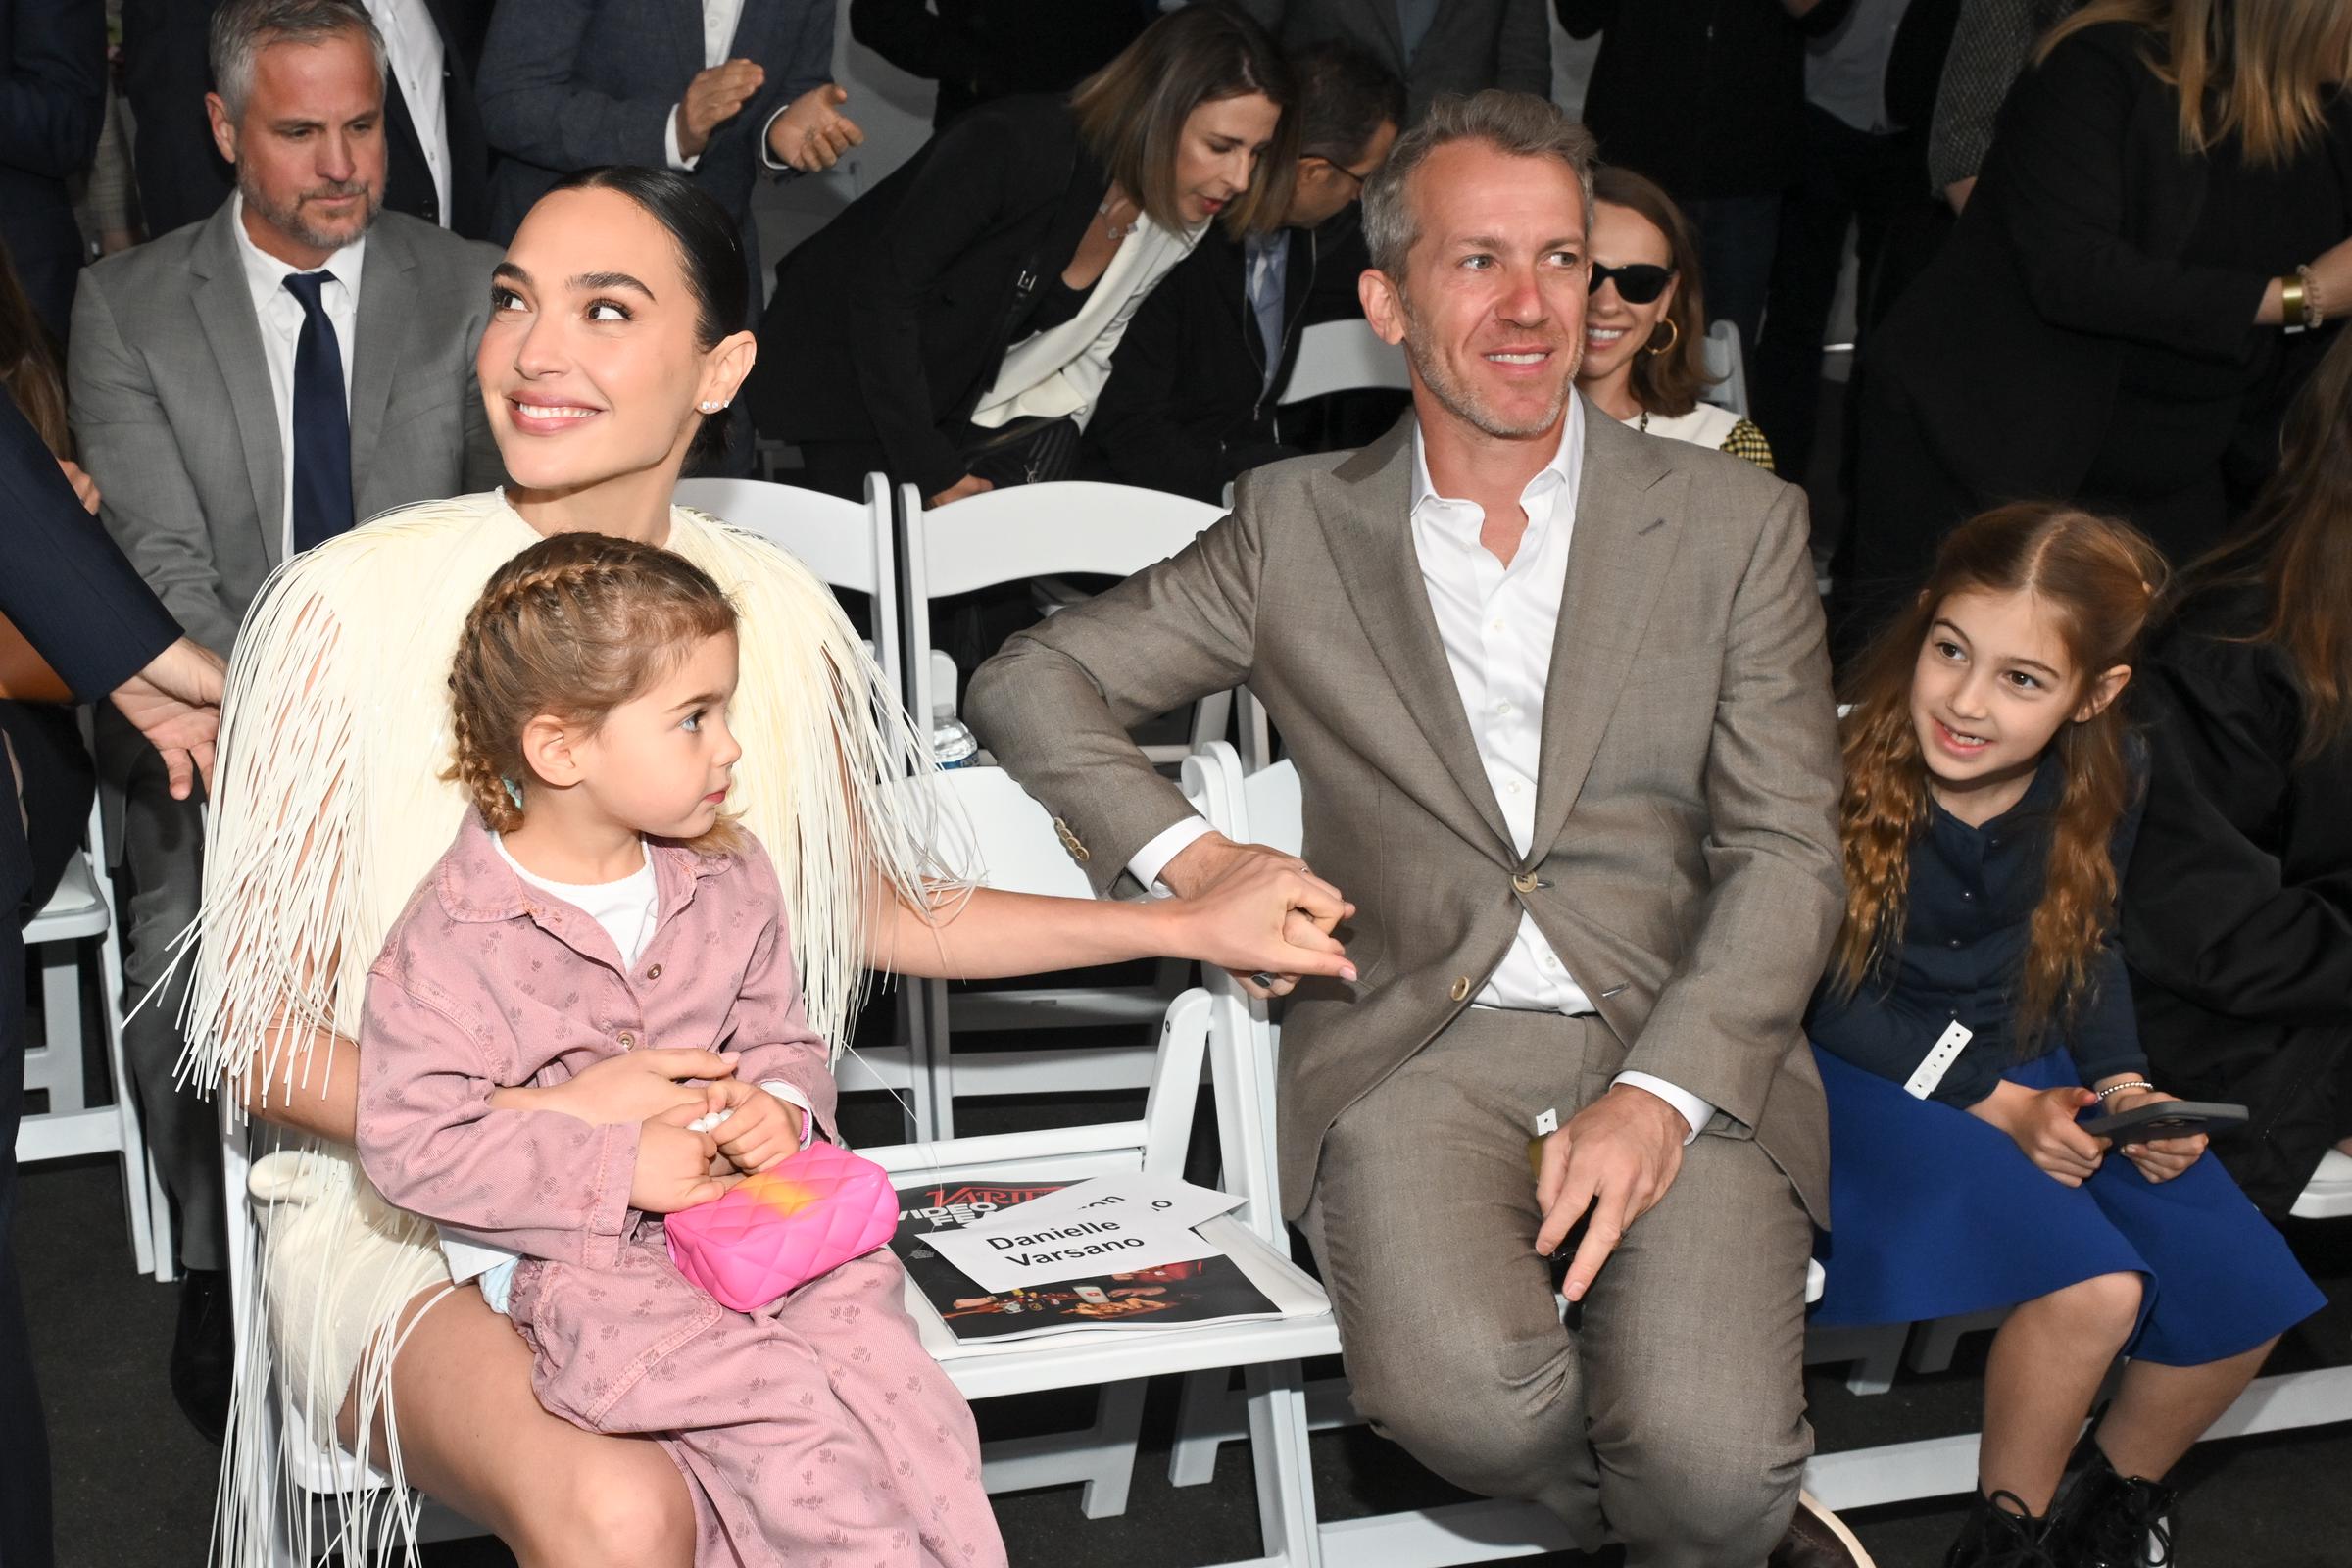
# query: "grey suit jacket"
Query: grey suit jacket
173,413
1684,857
1471,44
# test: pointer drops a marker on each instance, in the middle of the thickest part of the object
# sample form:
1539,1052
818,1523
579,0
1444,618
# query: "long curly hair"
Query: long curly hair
572,627
2098,579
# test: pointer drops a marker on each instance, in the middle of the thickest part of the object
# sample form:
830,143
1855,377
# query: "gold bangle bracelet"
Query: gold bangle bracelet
2294,303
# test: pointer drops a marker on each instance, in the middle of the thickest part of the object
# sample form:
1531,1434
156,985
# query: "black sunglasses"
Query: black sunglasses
1637,283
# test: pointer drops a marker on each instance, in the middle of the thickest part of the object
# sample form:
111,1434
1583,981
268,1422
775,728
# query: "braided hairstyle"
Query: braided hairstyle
2099,579
573,628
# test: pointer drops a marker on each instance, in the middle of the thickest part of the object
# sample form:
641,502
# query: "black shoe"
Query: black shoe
2110,1521
204,1351
2000,1533
1817,1538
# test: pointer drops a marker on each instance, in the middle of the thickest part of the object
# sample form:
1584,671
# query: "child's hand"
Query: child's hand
2167,1157
2042,1121
630,1086
673,1164
762,1130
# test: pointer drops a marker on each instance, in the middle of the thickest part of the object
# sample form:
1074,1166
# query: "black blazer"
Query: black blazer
1703,96
1188,406
890,322
2237,905
52,102
2007,349
183,180
980,50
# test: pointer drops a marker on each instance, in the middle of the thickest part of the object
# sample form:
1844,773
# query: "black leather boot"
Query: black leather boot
2000,1533
2106,1520
204,1351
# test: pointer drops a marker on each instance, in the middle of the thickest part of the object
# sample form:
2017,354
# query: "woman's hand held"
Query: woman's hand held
634,1086
1260,911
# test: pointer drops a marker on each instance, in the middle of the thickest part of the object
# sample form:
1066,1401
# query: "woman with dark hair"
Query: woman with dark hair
2237,906
612,346
954,326
2122,313
1645,325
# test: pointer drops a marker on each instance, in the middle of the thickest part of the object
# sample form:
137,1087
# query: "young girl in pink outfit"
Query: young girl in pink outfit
600,909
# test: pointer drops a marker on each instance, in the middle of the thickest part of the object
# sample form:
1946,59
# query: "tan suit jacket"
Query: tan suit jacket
1684,860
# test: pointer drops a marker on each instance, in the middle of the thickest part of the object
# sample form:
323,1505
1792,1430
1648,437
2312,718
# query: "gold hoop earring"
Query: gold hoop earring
1673,340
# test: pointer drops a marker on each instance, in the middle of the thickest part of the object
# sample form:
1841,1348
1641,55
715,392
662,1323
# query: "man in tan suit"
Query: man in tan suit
1558,700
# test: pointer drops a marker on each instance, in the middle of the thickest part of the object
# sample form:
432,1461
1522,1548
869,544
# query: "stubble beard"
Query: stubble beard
1429,364
289,221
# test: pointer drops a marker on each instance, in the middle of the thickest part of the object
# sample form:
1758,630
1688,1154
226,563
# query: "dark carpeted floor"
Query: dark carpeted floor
134,1484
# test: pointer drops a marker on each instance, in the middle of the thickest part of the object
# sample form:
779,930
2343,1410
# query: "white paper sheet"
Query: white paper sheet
1006,1258
1129,1195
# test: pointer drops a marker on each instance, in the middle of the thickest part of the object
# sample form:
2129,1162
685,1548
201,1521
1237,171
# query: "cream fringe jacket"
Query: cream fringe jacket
328,808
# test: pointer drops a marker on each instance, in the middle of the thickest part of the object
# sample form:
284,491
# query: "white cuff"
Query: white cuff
669,146
1169,841
1692,1109
767,153
792,1096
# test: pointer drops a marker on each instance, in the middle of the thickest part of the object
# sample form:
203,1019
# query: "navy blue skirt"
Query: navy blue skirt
1938,1215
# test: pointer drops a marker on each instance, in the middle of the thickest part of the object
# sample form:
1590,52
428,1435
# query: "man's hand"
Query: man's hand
673,1164
631,1087
85,488
971,484
760,1131
712,98
2166,1157
1211,860
1616,1157
813,133
176,702
2042,1122
1265,914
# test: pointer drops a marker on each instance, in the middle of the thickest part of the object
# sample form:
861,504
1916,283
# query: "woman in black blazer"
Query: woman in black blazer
2116,318
2238,904
889,330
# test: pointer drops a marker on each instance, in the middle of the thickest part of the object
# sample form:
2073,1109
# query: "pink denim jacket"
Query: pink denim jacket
488,982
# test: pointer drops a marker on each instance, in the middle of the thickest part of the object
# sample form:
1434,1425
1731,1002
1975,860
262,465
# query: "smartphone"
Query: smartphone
2165,1118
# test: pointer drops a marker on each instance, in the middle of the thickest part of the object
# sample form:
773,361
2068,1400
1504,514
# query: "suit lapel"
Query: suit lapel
1369,526
387,304
1618,556
224,303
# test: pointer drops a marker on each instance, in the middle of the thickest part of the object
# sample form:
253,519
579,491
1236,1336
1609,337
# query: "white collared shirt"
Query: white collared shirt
280,317
1497,625
719,21
413,45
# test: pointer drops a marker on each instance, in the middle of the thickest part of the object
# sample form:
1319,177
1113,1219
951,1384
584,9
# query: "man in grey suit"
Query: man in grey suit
1558,700
1432,46
242,388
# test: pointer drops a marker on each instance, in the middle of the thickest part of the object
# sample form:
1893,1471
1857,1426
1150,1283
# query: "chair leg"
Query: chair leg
61,1027
1285,1481
1118,1428
131,1140
1207,1417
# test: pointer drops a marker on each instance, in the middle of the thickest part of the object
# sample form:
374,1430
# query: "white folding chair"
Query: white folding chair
2328,1194
1727,370
1345,356
83,906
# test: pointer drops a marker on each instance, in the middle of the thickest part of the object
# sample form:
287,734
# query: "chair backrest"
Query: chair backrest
988,829
1344,357
1727,368
1034,531
848,545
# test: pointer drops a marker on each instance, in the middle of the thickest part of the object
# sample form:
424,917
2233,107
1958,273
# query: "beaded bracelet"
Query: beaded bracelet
2314,313
2135,1083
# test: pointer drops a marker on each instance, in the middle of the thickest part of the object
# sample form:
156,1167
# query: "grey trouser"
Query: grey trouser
1669,1412
163,857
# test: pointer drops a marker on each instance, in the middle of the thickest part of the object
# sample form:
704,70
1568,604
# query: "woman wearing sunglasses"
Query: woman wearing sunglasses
1645,325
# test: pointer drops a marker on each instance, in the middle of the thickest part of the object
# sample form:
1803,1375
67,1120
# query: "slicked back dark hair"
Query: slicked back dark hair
1344,95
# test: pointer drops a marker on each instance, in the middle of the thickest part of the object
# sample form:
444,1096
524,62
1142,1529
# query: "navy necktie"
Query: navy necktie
322,425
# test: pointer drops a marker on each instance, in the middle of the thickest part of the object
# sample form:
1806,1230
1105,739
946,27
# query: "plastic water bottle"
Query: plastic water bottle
953,744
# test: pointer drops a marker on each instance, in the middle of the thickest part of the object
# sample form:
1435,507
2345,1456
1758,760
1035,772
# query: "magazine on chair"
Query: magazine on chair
1213,1290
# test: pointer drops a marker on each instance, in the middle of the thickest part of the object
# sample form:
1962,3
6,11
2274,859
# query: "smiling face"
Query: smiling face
591,365
1616,330
1217,152
309,147
1492,307
660,763
1993,686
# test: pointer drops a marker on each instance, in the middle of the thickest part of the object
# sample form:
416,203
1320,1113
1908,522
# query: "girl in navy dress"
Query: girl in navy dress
1977,1006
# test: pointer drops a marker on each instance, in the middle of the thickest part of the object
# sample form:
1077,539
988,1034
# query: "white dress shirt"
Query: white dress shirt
413,44
281,316
720,17
1496,623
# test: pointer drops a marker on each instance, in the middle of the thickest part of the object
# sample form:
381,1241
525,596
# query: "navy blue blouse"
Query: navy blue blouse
1972,896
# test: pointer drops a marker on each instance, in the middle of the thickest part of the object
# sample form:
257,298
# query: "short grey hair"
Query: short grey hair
243,28
1519,123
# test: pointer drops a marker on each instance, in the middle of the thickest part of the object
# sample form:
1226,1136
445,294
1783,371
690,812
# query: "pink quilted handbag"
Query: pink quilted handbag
776,1231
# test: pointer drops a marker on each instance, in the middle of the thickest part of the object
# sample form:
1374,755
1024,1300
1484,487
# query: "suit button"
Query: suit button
655,973
1461,988
628,1040
1525,882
